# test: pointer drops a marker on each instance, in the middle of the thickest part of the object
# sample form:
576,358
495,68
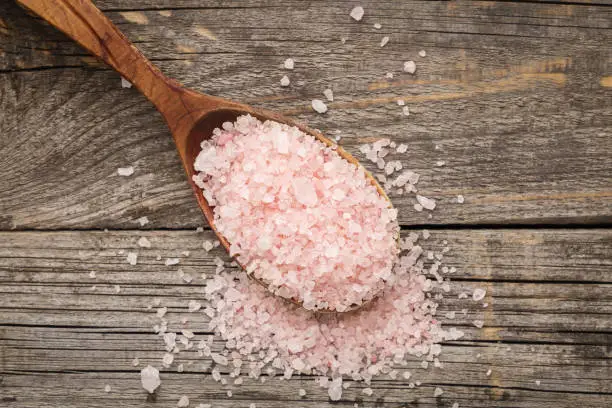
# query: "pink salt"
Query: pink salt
298,216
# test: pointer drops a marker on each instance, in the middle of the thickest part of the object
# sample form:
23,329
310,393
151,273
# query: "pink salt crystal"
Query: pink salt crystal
275,186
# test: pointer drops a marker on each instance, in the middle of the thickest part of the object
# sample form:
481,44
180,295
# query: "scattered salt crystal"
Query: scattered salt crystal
117,288
389,75
402,148
92,274
125,83
460,199
418,207
172,261
538,382
289,63
285,81
455,405
437,392
183,402
479,294
407,375
401,102
136,362
406,111
424,364
207,245
301,392
143,221
125,171
440,163
427,203
149,377
422,53
488,373
384,41
319,106
329,94
478,323
410,67
377,26
107,388
194,306
200,229
132,258
367,391
357,13
143,242
335,389
185,253
229,393
252,405
167,359
161,312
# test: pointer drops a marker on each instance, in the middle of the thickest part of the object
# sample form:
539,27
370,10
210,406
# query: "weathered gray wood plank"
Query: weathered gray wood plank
516,96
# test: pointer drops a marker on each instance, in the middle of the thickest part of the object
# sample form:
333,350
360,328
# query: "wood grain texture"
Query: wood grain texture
515,96
63,341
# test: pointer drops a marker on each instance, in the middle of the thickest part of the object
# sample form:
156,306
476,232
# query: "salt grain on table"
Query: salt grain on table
460,199
107,388
172,261
479,294
319,106
149,377
329,94
183,402
422,53
125,171
406,111
410,67
437,392
143,242
125,83
384,41
285,81
142,221
289,63
357,13
92,274
377,26
427,203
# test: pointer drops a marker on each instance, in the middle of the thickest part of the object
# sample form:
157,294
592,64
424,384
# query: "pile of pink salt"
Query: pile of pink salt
299,217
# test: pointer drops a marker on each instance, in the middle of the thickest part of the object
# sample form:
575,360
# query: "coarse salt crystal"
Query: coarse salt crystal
427,203
143,242
319,106
384,41
289,63
460,199
367,391
478,323
437,392
142,221
406,111
149,377
183,402
302,392
377,26
402,148
329,94
125,171
410,67
479,294
125,83
401,102
422,53
92,274
172,261
107,388
285,81
357,13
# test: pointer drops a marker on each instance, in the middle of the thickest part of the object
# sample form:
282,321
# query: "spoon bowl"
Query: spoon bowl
190,115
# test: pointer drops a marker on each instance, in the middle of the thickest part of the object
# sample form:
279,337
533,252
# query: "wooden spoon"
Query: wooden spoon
190,115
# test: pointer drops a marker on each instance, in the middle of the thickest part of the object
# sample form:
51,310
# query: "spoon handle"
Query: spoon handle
82,21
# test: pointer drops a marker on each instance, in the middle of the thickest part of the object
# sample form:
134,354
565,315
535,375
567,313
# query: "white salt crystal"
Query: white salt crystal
407,375
384,41
301,392
377,26
488,373
229,393
125,83
143,242
335,389
132,258
161,312
401,102
142,221
207,245
117,288
329,94
418,207
460,199
427,203
135,362
422,53
194,306
183,402
167,359
149,377
440,163
285,81
319,106
389,75
289,63
437,392
367,391
107,388
402,148
479,294
172,261
219,359
92,274
538,382
406,111
125,171
455,405
410,67
357,13
478,323
252,405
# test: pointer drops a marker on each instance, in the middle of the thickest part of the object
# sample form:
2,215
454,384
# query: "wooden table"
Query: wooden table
515,97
